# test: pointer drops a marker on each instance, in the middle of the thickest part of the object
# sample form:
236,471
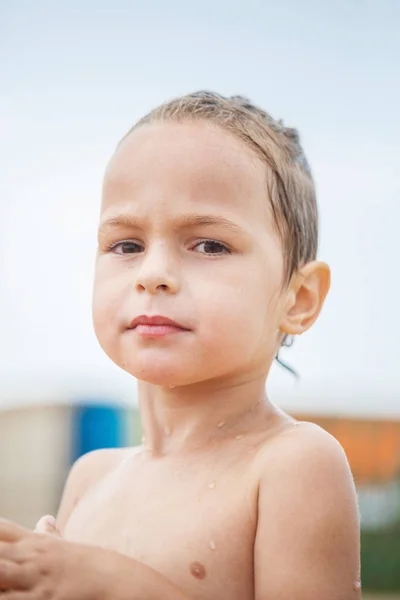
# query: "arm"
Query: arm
307,541
45,567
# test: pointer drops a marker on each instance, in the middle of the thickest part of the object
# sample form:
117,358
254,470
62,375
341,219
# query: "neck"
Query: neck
184,419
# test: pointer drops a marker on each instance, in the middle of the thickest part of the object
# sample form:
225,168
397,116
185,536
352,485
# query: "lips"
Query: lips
155,321
155,326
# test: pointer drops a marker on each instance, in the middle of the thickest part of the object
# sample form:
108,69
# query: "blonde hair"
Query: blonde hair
289,181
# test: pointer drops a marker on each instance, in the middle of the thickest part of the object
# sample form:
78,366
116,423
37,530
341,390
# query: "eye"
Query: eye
125,247
213,247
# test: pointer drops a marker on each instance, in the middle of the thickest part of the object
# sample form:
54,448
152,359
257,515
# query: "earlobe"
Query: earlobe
305,297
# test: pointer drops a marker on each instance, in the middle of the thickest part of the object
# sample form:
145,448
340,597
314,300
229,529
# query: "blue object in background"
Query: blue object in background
96,426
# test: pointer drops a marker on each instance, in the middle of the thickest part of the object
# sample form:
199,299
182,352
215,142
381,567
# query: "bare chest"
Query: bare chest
194,525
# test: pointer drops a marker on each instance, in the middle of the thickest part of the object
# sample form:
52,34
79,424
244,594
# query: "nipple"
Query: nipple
197,570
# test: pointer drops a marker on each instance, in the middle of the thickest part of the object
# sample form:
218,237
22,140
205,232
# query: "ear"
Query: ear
305,297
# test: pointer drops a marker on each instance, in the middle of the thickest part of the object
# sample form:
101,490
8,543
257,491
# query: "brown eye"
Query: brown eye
126,248
213,247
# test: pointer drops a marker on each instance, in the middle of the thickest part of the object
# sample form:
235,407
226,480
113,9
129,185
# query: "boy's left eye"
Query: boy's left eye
213,247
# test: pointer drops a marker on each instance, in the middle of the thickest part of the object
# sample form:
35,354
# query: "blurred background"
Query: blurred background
75,76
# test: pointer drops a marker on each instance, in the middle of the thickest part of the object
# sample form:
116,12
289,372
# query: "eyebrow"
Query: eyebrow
185,221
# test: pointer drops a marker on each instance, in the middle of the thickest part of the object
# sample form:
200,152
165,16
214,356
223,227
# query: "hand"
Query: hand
37,566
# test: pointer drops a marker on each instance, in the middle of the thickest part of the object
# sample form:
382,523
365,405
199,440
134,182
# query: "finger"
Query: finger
10,532
15,577
16,552
47,525
7,551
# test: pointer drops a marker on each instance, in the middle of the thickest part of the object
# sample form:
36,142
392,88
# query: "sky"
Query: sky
75,76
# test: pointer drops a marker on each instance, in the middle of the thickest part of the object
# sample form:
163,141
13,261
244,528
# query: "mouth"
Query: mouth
155,326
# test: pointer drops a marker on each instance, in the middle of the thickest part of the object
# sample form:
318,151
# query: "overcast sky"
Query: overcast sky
76,75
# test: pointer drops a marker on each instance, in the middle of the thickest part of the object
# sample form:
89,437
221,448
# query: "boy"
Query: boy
206,262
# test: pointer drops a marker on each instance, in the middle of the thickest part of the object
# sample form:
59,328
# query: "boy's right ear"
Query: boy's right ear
305,297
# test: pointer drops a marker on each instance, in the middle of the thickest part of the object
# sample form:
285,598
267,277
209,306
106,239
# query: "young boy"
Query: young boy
206,262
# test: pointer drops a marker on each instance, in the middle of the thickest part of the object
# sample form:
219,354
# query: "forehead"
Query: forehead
186,163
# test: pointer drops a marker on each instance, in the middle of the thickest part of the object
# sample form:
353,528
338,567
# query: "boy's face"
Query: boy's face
186,214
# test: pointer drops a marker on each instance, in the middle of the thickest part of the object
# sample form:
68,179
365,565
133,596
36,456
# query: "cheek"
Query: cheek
106,306
242,313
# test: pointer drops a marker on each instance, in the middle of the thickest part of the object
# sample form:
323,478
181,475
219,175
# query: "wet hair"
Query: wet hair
287,342
290,186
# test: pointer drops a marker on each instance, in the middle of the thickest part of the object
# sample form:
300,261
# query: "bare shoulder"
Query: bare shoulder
301,439
305,453
308,522
85,473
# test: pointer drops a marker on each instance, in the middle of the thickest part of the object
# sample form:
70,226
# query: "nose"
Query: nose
157,273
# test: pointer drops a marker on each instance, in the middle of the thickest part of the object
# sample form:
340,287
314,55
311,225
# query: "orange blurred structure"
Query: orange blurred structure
372,446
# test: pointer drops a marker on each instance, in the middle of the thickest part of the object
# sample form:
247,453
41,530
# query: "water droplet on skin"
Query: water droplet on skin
213,545
211,485
221,424
171,387
239,291
238,437
145,445
357,585
259,402
167,430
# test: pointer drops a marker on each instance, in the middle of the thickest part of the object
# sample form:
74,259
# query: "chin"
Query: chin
162,373
165,367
